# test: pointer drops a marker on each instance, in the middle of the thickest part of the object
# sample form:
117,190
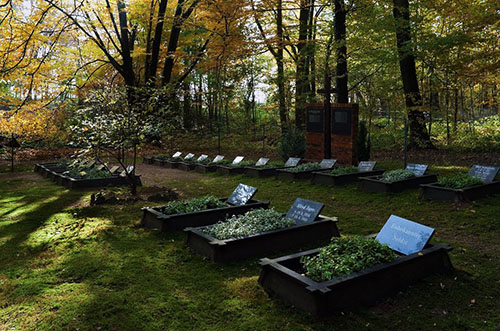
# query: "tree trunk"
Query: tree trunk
341,52
281,70
301,80
419,138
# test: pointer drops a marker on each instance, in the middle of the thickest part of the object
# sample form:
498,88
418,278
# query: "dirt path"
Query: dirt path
159,176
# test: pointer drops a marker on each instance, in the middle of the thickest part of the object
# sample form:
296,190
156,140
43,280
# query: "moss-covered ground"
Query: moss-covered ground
64,265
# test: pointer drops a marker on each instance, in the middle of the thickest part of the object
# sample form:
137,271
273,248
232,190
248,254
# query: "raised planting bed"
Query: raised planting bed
78,183
235,167
479,183
398,180
178,215
155,218
148,160
284,278
186,166
242,236
269,169
305,170
346,175
356,271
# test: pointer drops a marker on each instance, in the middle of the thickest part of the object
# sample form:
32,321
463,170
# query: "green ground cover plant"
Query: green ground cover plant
272,164
344,256
305,167
89,173
163,156
459,181
244,163
252,222
192,205
395,175
344,170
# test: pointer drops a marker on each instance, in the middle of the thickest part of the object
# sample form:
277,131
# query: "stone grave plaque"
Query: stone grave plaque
237,160
177,154
404,236
241,195
486,174
90,164
114,169
417,169
327,163
202,157
129,171
189,156
314,120
292,162
262,162
304,211
341,121
218,158
101,167
364,166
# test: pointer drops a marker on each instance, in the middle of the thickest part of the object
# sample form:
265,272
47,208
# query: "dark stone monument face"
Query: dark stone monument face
364,166
241,195
486,174
304,211
417,169
189,156
218,158
238,160
262,162
202,157
292,162
314,120
341,121
177,154
404,236
327,163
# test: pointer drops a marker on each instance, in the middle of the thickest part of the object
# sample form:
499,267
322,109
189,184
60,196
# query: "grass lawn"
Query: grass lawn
64,265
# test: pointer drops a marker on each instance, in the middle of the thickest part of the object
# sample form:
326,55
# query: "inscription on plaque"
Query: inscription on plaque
417,169
404,236
364,166
486,174
292,162
241,195
304,211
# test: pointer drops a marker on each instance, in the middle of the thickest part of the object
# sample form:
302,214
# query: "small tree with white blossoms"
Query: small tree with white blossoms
109,121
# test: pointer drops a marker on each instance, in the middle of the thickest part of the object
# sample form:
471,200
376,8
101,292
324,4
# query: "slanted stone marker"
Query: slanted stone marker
404,236
241,195
327,163
202,157
486,174
365,166
292,162
304,211
114,169
237,160
177,154
262,162
417,169
189,156
218,158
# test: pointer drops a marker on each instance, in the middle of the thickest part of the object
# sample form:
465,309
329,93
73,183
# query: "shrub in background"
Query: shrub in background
293,144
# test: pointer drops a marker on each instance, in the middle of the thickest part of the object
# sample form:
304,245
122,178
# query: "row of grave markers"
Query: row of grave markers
113,170
401,235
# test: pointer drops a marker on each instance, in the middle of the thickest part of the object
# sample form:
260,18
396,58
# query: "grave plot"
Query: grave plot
235,167
478,183
178,215
261,232
398,180
188,163
356,271
305,171
207,165
268,169
85,175
345,175
148,160
170,162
